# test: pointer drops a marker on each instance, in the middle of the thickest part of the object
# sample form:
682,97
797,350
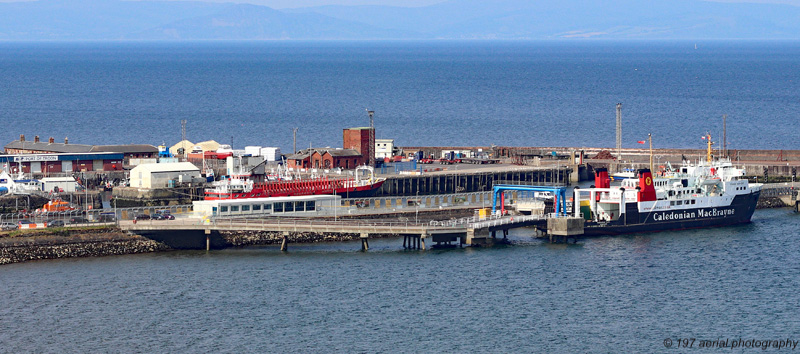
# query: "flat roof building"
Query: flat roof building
163,175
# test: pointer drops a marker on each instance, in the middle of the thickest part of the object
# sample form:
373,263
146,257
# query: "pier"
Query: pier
197,234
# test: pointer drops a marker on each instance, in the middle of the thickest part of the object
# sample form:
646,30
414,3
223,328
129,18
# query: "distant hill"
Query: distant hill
454,19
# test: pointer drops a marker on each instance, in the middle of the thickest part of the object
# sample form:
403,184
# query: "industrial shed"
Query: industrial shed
160,175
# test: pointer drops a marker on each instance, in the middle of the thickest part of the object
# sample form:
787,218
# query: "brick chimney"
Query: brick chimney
36,139
51,140
22,137
66,141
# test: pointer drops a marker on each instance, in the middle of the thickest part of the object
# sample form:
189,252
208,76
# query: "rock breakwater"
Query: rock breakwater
67,243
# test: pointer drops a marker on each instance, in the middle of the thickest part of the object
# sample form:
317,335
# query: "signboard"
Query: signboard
32,158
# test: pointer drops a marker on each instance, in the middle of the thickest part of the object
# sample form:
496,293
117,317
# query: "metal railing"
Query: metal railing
285,224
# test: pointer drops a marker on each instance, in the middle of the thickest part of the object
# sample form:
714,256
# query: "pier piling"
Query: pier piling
285,242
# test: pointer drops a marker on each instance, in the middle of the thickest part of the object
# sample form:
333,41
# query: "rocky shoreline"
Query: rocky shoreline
69,243
770,202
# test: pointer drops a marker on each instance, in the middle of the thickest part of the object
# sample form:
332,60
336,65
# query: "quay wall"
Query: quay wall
776,162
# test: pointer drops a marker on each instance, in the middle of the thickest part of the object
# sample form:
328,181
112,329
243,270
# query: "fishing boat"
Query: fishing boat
704,194
240,185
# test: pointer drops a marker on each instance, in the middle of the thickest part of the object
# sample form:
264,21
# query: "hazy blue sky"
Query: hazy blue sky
303,3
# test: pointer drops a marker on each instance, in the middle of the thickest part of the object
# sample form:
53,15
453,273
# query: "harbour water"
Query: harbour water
435,93
609,294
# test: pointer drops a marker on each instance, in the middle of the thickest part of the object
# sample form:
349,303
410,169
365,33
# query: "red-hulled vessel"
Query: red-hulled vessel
240,186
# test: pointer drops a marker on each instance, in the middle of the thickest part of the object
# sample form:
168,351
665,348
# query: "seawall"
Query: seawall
69,243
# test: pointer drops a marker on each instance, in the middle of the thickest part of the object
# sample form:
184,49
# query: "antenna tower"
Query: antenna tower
371,138
619,132
183,129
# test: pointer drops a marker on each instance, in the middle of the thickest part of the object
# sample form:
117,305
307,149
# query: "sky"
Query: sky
282,4
279,4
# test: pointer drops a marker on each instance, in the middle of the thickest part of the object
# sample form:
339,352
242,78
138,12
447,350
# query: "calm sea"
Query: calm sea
604,295
423,93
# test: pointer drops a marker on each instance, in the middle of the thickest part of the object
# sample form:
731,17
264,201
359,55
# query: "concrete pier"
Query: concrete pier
471,181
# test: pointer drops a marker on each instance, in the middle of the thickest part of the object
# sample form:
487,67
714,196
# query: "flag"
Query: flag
640,141
702,137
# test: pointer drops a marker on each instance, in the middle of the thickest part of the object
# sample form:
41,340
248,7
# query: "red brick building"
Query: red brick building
356,152
325,158
358,140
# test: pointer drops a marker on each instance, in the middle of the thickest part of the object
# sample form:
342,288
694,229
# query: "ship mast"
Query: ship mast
708,151
650,139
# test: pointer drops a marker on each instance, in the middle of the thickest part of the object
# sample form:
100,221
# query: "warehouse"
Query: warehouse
163,175
55,164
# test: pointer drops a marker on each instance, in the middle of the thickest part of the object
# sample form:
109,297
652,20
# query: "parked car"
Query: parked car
156,217
164,214
142,217
22,222
55,223
6,226
78,220
107,217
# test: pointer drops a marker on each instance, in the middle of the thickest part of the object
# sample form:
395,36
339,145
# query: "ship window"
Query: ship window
278,207
671,202
311,205
299,206
694,201
245,208
223,209
256,207
288,206
267,206
234,208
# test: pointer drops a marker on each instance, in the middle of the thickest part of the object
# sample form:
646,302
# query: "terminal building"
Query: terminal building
56,163
50,147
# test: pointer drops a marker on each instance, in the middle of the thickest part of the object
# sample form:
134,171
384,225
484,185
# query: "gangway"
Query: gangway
559,193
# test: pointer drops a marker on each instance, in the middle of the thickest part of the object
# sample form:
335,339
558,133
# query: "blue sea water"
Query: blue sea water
423,93
622,294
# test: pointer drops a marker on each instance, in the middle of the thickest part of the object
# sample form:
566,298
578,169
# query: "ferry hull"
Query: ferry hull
740,211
